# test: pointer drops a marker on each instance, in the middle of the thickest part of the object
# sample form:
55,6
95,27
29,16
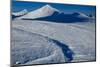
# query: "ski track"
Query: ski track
77,38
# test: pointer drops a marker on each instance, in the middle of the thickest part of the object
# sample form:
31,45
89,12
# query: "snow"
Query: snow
31,48
80,14
23,12
48,13
80,37
45,42
44,11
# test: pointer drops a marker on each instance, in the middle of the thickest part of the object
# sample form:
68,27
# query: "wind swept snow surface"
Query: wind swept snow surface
43,42
31,48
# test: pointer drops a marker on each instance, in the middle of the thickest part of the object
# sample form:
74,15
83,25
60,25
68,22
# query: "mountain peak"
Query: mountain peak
23,12
49,7
80,14
46,10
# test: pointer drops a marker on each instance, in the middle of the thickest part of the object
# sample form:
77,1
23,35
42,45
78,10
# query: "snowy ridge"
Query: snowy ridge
23,12
44,11
19,14
80,14
48,13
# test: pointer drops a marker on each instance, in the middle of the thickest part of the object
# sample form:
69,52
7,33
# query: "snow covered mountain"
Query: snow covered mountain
23,12
48,35
66,18
44,11
42,37
79,14
48,13
18,14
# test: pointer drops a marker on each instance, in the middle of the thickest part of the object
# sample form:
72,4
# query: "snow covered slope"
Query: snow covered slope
47,35
31,48
23,12
80,37
48,13
65,18
18,14
44,11
78,14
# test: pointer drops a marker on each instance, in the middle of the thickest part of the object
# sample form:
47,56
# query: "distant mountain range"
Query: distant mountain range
19,14
48,13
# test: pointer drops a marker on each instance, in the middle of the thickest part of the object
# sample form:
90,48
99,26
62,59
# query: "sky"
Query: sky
66,8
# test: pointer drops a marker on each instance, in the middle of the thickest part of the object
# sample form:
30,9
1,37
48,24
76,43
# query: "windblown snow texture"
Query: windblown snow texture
41,37
31,48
